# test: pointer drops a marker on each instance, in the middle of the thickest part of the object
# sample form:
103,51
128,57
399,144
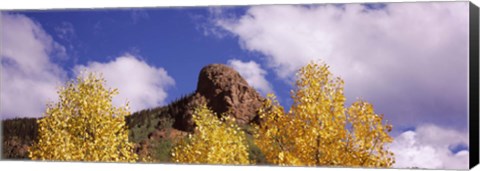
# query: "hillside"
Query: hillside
156,130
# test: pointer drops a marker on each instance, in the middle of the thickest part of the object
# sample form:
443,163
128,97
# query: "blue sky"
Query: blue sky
170,38
166,38
412,69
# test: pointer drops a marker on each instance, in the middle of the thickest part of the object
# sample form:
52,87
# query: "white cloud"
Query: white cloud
383,55
253,74
142,85
429,147
29,78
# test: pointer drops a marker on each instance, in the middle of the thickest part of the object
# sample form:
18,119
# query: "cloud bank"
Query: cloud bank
429,147
142,85
29,78
414,69
253,74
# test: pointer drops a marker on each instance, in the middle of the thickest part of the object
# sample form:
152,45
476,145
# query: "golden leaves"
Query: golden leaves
319,129
214,141
83,126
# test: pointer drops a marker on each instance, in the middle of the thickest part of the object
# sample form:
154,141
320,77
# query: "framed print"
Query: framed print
328,85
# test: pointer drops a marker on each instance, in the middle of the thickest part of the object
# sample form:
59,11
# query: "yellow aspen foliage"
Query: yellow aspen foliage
213,142
318,130
84,126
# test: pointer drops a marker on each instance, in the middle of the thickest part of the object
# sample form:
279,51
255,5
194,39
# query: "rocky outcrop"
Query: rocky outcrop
222,89
225,92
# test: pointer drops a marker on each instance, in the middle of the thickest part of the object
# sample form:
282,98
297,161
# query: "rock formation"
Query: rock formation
224,91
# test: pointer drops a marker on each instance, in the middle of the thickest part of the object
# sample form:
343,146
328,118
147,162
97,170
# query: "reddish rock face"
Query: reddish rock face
226,91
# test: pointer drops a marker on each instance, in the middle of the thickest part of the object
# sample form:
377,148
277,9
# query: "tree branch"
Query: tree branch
371,150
